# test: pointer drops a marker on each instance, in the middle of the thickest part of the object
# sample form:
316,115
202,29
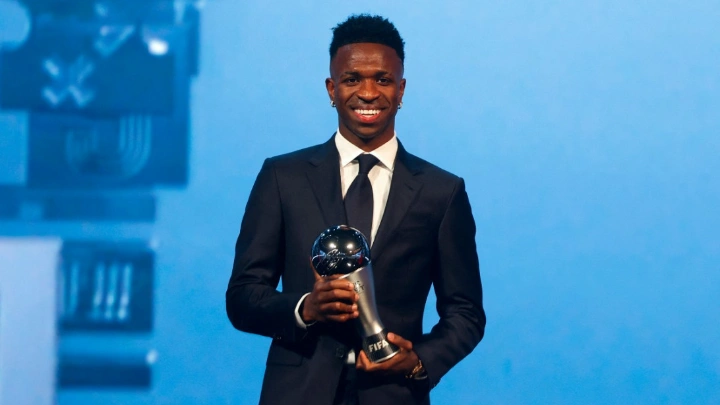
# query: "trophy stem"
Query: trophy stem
370,328
378,349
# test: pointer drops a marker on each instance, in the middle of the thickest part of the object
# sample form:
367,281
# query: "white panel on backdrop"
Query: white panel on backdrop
28,338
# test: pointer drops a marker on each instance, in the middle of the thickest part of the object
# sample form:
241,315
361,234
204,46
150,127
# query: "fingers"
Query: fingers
338,308
340,318
362,362
333,299
318,277
336,290
386,367
338,311
335,294
334,282
397,340
401,363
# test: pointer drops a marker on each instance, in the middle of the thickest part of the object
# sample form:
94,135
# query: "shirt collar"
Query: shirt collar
385,153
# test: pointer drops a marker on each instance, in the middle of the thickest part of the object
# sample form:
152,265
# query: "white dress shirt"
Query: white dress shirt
380,177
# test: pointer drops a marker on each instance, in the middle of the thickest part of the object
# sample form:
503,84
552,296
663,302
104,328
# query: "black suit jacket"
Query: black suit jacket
426,238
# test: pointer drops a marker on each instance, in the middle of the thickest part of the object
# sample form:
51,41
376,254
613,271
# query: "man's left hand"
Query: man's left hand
402,363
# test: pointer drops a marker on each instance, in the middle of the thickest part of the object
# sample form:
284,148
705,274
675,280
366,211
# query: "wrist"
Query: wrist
418,371
304,313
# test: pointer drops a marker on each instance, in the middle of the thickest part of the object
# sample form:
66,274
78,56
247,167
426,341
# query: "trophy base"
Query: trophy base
378,349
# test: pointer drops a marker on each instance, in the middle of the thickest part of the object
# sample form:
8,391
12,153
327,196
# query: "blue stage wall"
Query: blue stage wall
588,134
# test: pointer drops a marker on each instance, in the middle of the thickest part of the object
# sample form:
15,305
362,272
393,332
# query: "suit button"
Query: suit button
340,352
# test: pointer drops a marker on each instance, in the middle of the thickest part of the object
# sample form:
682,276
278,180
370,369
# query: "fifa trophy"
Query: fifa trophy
344,250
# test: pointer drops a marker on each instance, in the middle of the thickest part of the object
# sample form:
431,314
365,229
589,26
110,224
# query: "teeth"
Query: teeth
368,112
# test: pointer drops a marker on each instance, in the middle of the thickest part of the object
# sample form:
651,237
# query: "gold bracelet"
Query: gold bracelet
418,367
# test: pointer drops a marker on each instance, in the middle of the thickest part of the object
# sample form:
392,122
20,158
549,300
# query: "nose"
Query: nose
368,91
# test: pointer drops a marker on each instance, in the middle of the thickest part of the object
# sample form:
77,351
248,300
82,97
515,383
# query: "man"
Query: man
416,216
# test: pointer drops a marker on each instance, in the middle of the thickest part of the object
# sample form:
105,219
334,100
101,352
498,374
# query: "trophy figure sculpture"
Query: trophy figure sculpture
344,250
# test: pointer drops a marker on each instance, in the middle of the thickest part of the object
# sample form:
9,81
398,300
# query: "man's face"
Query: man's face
366,85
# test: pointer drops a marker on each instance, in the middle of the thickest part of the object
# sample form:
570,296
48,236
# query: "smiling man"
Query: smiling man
416,216
366,86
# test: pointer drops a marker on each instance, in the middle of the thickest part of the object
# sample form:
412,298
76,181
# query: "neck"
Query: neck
368,144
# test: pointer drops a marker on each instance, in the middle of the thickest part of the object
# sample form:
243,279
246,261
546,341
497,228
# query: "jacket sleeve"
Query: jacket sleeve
252,301
458,289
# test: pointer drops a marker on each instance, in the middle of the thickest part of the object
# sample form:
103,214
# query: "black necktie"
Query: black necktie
359,197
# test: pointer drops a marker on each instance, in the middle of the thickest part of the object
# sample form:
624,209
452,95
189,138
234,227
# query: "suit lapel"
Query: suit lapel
403,189
324,177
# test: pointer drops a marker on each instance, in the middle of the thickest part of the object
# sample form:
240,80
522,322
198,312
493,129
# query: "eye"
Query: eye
384,81
351,80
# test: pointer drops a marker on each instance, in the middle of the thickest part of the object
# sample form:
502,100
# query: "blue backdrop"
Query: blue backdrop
588,136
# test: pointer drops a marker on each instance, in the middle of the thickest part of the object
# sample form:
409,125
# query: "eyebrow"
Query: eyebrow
356,73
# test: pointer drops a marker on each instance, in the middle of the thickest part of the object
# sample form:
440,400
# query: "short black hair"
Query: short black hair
360,28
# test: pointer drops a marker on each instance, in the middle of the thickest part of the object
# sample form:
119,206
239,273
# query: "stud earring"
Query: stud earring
332,103
400,105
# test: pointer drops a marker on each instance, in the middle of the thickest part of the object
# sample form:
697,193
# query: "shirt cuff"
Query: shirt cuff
298,318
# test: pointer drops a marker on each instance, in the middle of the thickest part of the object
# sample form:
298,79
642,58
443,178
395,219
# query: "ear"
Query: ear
401,93
330,86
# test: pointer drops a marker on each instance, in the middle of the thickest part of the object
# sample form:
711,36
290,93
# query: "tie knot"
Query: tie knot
366,161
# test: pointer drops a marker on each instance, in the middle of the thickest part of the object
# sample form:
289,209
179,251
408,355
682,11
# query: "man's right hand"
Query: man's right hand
332,299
